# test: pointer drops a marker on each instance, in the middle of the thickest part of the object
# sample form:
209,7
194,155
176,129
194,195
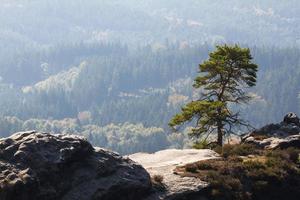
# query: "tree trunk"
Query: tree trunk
220,128
220,134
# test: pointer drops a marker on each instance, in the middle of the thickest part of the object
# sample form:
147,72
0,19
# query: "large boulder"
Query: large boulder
291,118
36,166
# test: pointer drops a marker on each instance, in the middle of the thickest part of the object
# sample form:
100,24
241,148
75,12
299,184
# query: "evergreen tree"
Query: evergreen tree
222,82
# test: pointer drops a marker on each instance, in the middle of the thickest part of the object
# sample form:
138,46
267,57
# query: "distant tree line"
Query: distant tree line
123,138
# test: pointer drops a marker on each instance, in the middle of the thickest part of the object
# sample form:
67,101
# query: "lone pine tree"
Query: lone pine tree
222,81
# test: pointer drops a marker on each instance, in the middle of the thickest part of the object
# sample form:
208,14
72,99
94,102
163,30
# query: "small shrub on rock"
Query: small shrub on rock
293,154
204,166
158,179
191,168
238,150
157,182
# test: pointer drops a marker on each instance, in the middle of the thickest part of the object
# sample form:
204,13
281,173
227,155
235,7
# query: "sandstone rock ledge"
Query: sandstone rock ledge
41,166
164,162
277,136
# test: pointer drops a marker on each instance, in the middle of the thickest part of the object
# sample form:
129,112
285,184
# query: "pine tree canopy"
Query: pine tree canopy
222,81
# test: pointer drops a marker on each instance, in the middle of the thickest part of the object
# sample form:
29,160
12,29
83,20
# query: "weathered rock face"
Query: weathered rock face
289,126
282,135
36,166
164,162
278,130
291,118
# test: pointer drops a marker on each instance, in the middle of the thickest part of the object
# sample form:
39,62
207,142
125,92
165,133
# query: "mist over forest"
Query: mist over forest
116,71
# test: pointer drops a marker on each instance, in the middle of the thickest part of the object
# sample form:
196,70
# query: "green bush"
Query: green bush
191,168
238,150
204,166
253,165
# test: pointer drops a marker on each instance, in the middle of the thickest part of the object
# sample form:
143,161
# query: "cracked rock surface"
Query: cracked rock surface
36,166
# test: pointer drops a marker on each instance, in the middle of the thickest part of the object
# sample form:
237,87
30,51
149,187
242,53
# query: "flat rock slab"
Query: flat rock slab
164,162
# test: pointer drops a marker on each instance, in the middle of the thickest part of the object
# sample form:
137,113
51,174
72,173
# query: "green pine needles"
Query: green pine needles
222,81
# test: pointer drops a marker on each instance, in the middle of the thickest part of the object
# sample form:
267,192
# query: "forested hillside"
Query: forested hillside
144,86
116,71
